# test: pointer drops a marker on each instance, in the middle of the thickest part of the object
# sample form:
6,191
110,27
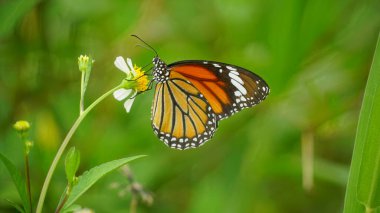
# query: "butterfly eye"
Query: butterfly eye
156,61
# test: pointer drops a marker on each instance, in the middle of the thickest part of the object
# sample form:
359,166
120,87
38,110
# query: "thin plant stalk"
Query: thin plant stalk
81,102
63,147
25,141
133,206
62,204
307,144
63,200
27,174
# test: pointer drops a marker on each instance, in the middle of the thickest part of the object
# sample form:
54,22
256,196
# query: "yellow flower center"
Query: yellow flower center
141,79
83,58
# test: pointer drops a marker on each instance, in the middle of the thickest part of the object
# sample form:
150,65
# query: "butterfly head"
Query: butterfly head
160,70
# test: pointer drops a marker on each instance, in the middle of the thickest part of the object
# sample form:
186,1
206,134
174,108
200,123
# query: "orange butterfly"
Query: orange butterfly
192,96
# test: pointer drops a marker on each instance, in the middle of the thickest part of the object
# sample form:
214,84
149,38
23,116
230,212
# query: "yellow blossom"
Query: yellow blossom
141,79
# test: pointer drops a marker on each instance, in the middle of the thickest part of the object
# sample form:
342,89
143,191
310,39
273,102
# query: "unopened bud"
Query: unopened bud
84,62
21,126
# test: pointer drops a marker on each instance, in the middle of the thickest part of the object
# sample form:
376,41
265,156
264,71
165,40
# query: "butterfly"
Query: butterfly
192,96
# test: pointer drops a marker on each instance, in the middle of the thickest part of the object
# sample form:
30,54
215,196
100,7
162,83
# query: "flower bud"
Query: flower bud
21,126
84,62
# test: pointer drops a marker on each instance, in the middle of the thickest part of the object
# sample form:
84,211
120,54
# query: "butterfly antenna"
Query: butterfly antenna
145,47
150,47
145,66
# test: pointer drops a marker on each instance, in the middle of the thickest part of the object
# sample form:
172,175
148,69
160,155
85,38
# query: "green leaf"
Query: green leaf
90,177
364,179
11,12
72,161
369,134
18,180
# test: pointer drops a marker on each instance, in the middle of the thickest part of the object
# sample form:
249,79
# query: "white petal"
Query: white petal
121,65
121,94
130,66
128,104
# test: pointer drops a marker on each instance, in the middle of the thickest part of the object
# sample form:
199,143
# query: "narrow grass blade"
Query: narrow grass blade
18,180
363,188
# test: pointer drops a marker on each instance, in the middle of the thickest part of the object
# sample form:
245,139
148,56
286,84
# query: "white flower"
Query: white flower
127,68
123,93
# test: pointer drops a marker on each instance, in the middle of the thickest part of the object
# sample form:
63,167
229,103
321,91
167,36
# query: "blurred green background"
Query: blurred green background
315,56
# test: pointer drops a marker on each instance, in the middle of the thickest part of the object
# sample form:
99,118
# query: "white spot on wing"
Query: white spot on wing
239,86
216,65
237,93
234,72
230,68
237,78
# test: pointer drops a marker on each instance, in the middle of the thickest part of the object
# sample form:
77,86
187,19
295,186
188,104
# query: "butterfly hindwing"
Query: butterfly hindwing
181,115
227,88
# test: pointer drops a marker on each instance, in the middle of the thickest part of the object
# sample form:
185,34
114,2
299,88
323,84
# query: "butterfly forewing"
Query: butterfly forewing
227,88
181,115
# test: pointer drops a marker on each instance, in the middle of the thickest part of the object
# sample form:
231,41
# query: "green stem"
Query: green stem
307,147
63,146
81,102
27,174
24,140
133,206
64,199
